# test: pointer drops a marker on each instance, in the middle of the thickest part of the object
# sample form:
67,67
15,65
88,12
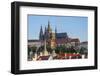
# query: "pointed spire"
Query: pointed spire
41,33
55,30
48,24
45,33
49,28
41,30
45,30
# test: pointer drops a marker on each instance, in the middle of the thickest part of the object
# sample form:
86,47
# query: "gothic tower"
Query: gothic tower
41,34
55,32
49,28
50,37
45,33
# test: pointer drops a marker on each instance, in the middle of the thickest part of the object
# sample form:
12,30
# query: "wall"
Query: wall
5,35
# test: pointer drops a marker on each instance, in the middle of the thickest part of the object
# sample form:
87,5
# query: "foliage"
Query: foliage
33,48
60,49
49,49
64,49
82,50
41,48
29,49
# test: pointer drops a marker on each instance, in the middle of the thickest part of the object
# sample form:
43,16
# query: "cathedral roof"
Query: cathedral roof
33,40
61,40
61,35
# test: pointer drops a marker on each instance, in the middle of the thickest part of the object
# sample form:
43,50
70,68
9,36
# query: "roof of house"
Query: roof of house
85,42
75,40
61,41
61,35
44,57
33,40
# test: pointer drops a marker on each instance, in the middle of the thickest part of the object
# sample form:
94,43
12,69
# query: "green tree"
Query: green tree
60,49
33,48
57,49
73,50
29,49
41,48
63,49
49,49
82,50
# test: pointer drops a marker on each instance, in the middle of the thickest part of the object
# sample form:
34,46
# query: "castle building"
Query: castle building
52,39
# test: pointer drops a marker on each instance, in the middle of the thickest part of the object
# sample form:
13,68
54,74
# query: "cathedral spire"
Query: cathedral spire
49,28
45,30
41,34
55,30
48,25
45,33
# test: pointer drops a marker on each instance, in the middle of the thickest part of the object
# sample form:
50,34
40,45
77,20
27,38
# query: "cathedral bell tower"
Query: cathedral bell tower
50,37
49,28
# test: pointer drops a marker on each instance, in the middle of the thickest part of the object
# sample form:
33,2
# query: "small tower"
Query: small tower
41,34
49,28
45,33
48,25
55,32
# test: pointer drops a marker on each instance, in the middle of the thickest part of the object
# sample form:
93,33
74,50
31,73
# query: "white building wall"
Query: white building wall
37,44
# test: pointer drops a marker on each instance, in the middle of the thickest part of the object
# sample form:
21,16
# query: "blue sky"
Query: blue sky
74,26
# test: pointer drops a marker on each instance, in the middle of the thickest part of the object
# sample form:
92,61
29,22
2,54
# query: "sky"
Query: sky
74,26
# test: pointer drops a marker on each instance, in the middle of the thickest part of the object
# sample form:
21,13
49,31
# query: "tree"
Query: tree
49,49
72,50
57,49
63,49
41,48
33,48
82,50
60,49
29,49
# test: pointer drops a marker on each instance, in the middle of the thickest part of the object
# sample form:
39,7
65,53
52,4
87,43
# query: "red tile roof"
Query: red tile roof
43,58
